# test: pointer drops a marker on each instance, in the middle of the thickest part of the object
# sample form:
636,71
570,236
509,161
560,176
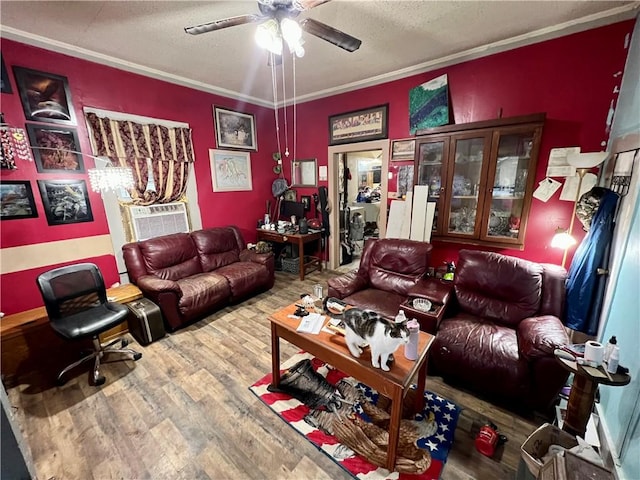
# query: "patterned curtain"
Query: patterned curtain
130,144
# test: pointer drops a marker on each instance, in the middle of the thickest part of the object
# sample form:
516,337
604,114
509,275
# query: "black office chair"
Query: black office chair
76,301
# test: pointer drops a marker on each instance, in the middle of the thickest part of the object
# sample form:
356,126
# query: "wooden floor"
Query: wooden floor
185,411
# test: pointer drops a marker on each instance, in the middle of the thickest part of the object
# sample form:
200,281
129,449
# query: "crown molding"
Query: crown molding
626,12
85,54
600,19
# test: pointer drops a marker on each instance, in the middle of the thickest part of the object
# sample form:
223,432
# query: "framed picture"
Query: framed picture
291,195
65,201
306,201
403,149
16,200
235,129
303,173
5,84
54,147
359,126
429,104
230,171
45,97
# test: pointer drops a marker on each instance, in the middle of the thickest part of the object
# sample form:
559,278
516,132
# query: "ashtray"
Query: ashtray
421,304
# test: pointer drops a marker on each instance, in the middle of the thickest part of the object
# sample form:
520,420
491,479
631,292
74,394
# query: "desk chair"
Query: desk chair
76,301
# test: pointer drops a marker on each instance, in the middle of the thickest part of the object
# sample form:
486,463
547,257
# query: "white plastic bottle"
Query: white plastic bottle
401,317
609,348
411,348
614,358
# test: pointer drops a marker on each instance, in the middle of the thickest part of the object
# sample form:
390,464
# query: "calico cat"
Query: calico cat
383,336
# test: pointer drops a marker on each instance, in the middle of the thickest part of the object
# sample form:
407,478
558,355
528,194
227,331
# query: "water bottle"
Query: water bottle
401,317
614,358
411,348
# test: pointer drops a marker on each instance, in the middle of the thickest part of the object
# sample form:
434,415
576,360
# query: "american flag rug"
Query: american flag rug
440,415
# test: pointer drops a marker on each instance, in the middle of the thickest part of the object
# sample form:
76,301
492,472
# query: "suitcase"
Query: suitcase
145,323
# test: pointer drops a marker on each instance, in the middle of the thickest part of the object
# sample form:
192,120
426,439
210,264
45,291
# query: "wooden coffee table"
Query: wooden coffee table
332,349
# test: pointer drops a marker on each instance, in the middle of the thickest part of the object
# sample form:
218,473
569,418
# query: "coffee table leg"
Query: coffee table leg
418,405
275,356
394,429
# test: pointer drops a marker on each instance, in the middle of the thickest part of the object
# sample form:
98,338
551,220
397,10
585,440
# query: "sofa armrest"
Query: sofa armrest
345,285
432,289
156,286
539,336
265,259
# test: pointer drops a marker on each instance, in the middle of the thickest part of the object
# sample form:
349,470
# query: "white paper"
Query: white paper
558,156
546,189
322,172
561,171
312,323
570,188
624,164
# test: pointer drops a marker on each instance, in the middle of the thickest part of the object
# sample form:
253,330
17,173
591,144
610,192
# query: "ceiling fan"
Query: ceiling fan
273,12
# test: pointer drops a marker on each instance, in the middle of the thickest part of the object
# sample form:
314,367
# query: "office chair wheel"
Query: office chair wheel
137,356
124,342
98,380
60,381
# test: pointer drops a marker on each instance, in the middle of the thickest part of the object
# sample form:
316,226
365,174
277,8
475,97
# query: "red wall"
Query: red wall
570,78
108,88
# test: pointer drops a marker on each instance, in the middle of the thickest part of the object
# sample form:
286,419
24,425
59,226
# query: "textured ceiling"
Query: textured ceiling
398,38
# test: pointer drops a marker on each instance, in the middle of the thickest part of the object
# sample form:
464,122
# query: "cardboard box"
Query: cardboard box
572,467
537,444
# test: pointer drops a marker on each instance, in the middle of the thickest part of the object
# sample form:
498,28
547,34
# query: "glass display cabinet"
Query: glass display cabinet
480,176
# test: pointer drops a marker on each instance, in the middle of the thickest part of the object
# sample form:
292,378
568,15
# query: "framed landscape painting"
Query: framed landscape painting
235,129
45,97
55,148
429,104
65,201
359,125
16,200
230,171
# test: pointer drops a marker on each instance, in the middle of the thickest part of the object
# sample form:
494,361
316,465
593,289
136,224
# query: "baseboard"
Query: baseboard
607,451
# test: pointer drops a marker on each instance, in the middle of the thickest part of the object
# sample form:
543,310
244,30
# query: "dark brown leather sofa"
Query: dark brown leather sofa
390,271
190,275
504,329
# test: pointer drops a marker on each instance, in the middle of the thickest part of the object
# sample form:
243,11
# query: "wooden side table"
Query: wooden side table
438,292
582,396
298,239
27,341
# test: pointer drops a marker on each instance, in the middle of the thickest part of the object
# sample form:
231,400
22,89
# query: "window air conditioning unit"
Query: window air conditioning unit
156,220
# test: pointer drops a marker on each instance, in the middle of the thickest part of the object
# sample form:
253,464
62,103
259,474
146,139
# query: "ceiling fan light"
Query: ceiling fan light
291,31
268,36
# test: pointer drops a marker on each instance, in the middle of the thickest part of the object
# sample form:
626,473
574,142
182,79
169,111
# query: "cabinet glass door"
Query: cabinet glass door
465,185
431,157
510,181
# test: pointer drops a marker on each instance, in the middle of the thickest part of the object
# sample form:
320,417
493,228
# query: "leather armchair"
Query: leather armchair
390,271
500,338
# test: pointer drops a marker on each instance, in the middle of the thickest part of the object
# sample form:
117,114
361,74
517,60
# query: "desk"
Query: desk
27,339
332,349
582,395
295,239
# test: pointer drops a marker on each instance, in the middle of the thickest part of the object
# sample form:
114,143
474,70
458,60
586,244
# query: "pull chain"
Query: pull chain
284,107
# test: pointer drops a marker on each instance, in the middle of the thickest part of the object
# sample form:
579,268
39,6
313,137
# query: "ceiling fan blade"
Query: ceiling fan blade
330,34
225,23
308,4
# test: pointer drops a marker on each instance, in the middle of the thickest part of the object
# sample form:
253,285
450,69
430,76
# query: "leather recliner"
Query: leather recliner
390,272
505,325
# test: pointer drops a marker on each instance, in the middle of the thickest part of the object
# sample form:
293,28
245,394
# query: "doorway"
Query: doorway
356,172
